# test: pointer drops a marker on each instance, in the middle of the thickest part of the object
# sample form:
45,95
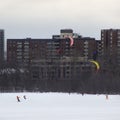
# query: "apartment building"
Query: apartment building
84,47
24,51
1,45
53,58
110,39
27,50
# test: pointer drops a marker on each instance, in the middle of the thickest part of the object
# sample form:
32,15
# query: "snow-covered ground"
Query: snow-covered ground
59,106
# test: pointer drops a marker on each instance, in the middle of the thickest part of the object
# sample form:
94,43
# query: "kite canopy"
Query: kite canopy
96,63
71,40
60,51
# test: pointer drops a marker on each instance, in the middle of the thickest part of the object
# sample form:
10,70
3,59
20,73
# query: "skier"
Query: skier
106,97
24,97
18,98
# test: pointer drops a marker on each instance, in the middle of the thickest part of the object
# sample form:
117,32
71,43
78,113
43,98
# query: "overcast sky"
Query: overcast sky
43,18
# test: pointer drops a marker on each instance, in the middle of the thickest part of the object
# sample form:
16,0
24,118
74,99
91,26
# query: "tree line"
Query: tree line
104,81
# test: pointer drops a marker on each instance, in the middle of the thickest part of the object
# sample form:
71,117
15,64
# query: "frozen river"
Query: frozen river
59,106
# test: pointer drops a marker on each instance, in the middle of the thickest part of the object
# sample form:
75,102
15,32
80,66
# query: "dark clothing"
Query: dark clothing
18,98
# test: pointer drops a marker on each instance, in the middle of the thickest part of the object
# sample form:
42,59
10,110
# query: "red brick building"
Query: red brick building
24,51
110,39
1,46
53,58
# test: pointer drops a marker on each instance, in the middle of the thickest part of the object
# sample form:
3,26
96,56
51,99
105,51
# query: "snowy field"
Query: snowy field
59,106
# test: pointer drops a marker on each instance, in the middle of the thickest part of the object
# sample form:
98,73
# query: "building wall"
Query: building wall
111,43
18,51
82,47
99,48
1,46
24,51
53,58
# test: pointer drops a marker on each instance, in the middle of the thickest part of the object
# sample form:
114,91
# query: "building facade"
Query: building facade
84,47
1,45
99,48
54,58
110,39
24,51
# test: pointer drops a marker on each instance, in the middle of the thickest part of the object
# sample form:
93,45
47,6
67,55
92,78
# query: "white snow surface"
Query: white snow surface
59,106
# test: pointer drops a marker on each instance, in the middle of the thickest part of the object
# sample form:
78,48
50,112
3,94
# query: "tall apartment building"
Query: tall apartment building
53,58
25,51
84,47
110,39
1,45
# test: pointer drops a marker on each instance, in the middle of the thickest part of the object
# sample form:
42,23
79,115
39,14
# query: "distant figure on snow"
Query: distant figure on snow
106,97
24,97
82,93
18,98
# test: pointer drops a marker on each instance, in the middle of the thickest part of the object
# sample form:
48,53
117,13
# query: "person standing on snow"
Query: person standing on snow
18,98
24,97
